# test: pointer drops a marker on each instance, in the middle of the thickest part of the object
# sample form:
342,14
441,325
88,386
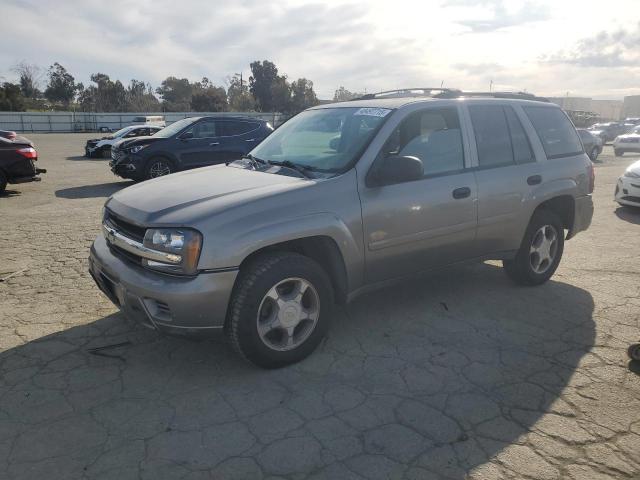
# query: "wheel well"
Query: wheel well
323,250
564,206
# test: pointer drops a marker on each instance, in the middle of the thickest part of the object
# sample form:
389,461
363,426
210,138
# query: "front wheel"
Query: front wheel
594,154
280,309
540,252
618,153
158,167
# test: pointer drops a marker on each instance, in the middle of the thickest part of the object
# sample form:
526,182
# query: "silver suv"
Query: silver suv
339,200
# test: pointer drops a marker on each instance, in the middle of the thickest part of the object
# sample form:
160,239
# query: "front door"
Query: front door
199,147
426,223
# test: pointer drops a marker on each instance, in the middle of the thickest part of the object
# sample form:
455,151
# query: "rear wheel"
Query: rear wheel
3,182
158,167
280,309
594,154
540,252
618,153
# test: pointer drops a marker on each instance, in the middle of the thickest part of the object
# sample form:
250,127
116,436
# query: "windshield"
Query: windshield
174,128
120,132
327,139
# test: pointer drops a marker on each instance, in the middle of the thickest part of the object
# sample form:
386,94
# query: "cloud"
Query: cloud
603,50
479,68
499,16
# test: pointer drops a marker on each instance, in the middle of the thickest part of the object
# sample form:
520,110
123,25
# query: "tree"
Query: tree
261,84
344,95
302,95
176,94
61,87
140,97
240,99
30,76
281,95
206,97
11,99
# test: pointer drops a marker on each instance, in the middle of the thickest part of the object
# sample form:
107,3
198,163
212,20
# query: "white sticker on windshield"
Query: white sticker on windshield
373,112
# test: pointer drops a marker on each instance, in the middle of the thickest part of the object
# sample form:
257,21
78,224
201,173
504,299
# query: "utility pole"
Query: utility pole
491,85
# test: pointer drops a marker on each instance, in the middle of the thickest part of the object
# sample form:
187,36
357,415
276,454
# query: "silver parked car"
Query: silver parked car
592,144
339,200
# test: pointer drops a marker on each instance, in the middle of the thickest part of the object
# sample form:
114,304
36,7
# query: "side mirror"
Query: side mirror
186,136
397,169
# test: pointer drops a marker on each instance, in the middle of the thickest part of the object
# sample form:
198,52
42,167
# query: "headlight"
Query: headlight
137,148
631,174
182,244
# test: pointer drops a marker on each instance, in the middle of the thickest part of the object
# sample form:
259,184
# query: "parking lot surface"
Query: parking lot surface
458,375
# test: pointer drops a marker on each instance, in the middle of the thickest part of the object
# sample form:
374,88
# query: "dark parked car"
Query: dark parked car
592,143
9,135
189,143
101,147
16,162
608,131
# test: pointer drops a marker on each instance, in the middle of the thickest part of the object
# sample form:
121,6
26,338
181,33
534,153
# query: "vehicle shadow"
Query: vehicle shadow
10,193
628,214
92,191
82,158
432,378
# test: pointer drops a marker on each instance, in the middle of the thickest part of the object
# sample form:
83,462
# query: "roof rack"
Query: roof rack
439,92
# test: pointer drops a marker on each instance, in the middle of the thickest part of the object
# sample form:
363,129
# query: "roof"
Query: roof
398,102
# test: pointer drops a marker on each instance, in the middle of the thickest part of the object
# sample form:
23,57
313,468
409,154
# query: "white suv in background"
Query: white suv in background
629,142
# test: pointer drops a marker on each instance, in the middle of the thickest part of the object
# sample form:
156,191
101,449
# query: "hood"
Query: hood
184,198
130,142
634,167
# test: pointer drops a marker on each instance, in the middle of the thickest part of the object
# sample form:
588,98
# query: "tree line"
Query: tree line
267,90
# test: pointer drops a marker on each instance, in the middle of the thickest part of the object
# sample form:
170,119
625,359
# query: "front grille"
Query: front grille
123,254
631,198
126,228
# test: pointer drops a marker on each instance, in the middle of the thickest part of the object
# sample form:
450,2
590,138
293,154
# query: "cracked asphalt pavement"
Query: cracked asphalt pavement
457,375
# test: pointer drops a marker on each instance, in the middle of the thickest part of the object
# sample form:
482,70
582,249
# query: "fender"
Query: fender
236,249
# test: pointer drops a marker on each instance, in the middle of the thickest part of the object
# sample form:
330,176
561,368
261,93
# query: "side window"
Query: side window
230,127
133,133
492,135
433,136
204,129
520,142
556,132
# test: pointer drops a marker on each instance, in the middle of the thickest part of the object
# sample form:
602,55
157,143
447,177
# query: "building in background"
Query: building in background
631,106
591,110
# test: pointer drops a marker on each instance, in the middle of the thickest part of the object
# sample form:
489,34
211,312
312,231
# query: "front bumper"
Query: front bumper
126,165
172,304
628,191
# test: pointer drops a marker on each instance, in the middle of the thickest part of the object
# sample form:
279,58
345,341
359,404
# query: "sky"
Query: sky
547,47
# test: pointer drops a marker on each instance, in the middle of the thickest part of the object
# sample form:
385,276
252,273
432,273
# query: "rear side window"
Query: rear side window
231,128
492,135
559,138
522,151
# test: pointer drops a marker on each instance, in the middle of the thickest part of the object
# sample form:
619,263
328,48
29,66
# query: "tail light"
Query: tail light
28,152
592,177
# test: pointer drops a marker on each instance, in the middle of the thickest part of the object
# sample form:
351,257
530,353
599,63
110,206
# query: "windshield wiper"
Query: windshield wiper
255,161
302,169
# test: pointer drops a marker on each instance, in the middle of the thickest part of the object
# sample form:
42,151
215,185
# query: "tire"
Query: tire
3,182
279,275
634,351
618,153
522,269
156,166
594,155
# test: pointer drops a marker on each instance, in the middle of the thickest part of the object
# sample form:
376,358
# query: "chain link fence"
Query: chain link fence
64,122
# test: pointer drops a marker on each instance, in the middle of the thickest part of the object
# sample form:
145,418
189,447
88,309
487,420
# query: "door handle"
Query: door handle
251,140
462,192
214,144
534,180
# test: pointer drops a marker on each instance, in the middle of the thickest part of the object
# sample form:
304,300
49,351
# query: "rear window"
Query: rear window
233,127
559,138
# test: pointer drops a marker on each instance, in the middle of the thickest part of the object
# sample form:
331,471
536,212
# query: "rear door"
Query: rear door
507,174
237,138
